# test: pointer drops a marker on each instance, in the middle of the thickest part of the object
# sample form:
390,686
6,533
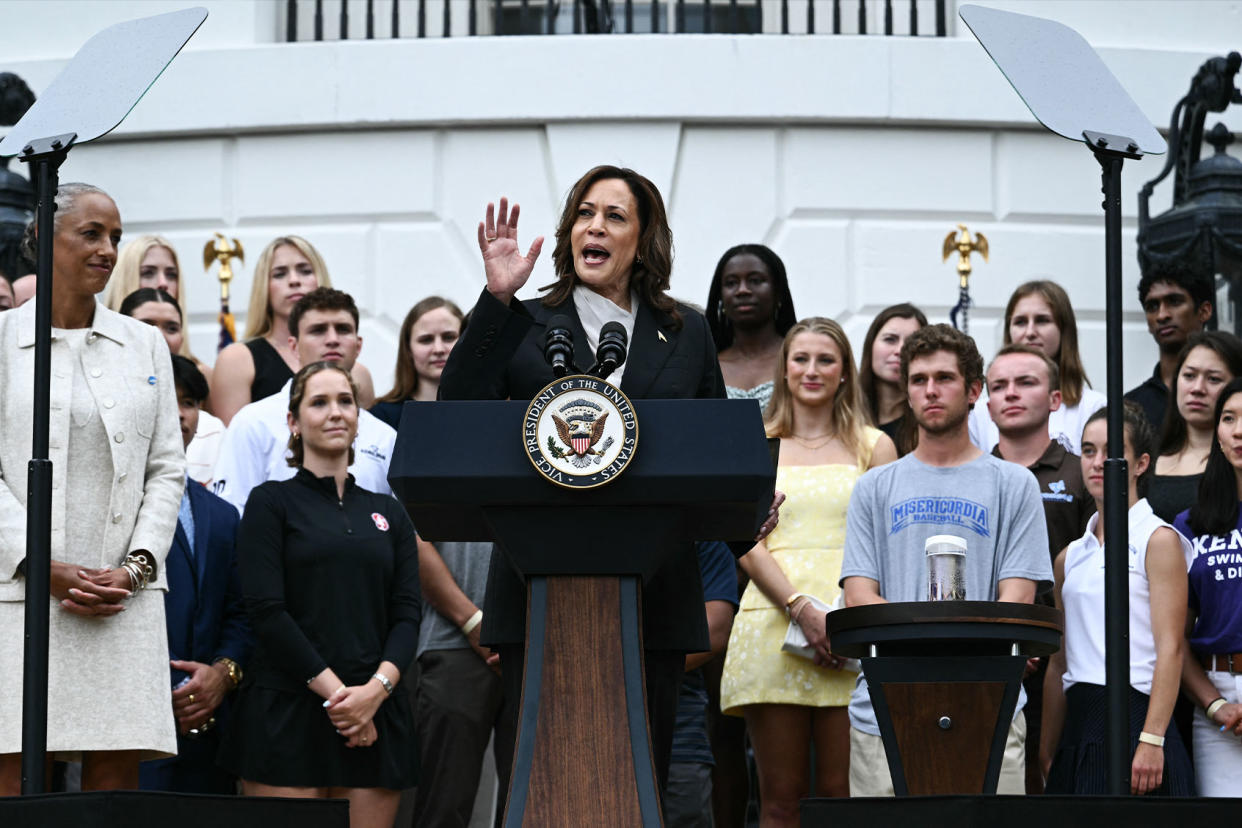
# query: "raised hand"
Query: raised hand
503,263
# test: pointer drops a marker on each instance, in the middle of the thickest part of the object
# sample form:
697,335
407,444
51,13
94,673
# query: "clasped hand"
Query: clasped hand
352,709
195,701
89,591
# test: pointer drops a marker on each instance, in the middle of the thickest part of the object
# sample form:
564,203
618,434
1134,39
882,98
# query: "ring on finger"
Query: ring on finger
490,238
191,697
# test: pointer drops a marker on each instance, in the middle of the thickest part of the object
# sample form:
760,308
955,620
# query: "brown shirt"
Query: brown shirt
1067,506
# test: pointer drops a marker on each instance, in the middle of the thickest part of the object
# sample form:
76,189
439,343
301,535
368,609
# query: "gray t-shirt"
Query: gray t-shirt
468,563
993,504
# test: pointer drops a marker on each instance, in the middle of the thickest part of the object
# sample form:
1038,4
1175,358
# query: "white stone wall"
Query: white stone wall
851,156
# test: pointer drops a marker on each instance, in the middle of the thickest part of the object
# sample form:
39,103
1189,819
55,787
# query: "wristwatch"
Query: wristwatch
234,670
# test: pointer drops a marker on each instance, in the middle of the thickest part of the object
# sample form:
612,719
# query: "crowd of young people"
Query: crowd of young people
289,633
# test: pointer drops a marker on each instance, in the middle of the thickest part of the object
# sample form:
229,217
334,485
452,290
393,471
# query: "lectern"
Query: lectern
944,678
701,471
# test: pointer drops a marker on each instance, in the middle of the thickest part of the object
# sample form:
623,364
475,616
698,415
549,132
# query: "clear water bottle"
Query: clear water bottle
946,568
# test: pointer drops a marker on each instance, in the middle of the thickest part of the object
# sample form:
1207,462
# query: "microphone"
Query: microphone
558,345
611,353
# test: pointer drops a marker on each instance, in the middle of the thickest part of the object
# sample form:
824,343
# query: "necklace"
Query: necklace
806,444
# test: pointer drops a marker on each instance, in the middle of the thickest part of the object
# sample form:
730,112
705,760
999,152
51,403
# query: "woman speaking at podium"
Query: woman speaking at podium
613,258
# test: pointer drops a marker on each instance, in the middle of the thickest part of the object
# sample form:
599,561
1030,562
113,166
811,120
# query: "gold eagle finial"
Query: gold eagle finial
961,242
223,250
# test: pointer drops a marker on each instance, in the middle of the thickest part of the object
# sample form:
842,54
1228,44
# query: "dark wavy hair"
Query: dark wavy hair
1173,434
1216,510
783,317
1139,432
653,264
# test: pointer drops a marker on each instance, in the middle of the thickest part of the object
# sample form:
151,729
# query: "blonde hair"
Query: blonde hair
849,420
127,278
259,313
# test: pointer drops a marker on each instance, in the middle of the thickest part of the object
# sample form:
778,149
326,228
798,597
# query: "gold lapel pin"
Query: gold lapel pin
661,335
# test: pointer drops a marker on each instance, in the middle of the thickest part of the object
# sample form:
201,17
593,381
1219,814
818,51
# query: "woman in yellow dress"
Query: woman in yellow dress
789,701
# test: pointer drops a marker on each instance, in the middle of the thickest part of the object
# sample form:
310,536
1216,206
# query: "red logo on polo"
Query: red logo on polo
381,523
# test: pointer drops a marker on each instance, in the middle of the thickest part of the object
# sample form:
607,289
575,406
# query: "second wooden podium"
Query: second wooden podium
944,678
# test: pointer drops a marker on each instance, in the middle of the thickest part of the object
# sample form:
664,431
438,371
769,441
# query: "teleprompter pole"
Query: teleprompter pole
45,157
1108,150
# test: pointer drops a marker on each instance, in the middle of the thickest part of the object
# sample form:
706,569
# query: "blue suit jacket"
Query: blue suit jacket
206,619
203,606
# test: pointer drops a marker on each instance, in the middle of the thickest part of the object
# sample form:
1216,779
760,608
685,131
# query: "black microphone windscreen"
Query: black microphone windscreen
613,329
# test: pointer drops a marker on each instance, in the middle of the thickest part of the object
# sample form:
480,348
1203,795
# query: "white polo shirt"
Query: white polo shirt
256,446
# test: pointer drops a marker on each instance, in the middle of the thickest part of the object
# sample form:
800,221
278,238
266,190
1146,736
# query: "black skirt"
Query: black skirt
1080,765
282,737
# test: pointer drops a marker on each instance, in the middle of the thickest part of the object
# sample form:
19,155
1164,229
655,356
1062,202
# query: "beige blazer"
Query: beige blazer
129,373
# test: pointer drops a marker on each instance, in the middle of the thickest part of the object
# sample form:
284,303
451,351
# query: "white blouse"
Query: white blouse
1082,594
594,310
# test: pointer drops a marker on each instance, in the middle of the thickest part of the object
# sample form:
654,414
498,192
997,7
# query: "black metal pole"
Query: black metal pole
1116,505
44,161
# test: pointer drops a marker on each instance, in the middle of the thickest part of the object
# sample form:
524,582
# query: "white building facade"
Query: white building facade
852,156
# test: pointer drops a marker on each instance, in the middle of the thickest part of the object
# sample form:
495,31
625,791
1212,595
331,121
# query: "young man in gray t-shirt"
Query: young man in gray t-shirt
945,486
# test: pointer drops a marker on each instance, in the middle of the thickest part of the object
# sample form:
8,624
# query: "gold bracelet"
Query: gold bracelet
793,599
1151,739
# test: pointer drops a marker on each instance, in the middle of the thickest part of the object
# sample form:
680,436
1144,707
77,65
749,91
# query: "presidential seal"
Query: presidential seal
580,432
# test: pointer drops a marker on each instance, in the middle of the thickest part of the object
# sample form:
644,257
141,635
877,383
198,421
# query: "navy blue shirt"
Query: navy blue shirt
690,740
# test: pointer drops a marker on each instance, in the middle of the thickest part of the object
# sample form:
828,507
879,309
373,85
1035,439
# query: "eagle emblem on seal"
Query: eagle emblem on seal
579,430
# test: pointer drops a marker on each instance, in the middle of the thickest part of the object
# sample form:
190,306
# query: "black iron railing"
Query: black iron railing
307,20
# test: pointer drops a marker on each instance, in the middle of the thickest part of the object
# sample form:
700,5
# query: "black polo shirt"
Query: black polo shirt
1067,506
1153,397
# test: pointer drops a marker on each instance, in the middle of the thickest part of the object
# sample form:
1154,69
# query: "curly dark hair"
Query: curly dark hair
1175,272
322,299
932,338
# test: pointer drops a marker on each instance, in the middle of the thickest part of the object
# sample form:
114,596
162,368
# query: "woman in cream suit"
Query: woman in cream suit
117,481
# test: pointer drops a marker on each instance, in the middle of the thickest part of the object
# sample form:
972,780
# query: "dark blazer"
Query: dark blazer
206,620
500,356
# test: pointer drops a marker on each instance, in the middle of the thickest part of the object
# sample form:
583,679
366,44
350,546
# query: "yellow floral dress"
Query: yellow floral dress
808,543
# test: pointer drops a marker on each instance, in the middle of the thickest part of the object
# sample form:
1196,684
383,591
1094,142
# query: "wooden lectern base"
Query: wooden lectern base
583,750
971,708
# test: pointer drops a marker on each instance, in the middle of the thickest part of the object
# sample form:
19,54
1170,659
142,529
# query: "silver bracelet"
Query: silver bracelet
383,679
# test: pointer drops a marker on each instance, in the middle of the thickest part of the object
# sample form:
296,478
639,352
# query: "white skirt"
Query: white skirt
109,685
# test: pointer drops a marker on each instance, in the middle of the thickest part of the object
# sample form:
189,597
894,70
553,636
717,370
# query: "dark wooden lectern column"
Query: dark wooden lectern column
944,678
702,471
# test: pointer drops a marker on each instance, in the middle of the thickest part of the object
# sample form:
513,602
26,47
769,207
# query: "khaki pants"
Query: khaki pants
869,774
